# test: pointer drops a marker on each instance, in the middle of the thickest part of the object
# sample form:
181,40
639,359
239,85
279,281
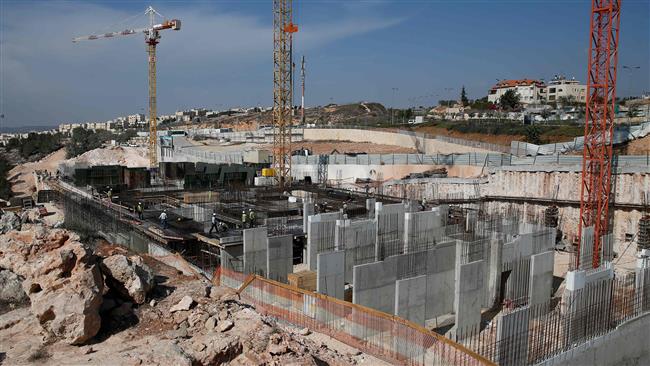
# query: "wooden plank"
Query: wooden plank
211,241
305,280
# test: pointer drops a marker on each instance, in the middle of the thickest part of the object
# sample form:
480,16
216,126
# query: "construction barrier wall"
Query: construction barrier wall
384,336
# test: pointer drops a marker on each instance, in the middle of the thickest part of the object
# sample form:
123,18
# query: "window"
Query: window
551,97
559,90
552,90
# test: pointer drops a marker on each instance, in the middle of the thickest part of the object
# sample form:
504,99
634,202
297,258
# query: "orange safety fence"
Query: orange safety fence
382,335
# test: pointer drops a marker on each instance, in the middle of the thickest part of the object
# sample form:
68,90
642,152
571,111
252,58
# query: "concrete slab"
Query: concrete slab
255,246
419,230
512,338
308,209
357,238
441,269
330,274
390,229
374,285
541,279
467,298
410,298
279,257
320,236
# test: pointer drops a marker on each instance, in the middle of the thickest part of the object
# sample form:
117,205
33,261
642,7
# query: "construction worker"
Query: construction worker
214,224
163,219
140,210
251,217
244,219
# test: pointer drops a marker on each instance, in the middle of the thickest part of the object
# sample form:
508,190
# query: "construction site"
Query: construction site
406,247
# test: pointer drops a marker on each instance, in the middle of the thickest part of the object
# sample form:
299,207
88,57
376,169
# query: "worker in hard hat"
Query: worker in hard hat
163,219
214,224
140,209
244,219
251,217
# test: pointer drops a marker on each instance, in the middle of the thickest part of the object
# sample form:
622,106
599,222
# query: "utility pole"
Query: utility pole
392,108
302,100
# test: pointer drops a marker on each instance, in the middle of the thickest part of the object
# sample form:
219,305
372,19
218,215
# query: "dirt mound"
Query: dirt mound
22,175
132,157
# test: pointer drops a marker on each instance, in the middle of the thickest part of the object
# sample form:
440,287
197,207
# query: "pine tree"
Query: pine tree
463,97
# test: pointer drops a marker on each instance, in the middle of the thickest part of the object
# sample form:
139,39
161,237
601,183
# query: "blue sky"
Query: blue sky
355,50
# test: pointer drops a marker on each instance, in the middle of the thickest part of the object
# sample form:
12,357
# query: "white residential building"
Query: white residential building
135,118
563,88
530,91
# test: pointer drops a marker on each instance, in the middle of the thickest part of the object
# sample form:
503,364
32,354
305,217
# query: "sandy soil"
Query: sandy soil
22,178
639,147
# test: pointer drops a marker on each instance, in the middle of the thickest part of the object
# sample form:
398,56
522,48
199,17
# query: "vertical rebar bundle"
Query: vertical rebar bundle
643,242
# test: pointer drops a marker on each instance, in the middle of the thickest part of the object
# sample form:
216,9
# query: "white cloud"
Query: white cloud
216,58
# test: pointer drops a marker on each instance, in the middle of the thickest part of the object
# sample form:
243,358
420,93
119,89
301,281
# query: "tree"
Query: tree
85,140
463,97
533,135
509,100
481,104
5,186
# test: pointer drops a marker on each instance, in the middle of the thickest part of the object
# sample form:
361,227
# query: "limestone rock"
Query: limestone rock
69,308
197,317
278,349
9,221
183,305
304,332
11,288
210,323
130,277
63,284
216,350
226,325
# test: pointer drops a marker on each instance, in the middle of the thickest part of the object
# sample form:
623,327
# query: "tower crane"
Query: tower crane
283,30
151,38
596,185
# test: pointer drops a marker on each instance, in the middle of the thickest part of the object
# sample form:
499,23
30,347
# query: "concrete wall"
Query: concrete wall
330,274
357,238
320,236
468,298
410,298
374,285
541,278
279,257
427,146
373,171
628,344
419,229
255,246
441,269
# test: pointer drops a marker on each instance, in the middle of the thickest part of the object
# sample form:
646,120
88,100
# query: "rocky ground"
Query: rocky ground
64,302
